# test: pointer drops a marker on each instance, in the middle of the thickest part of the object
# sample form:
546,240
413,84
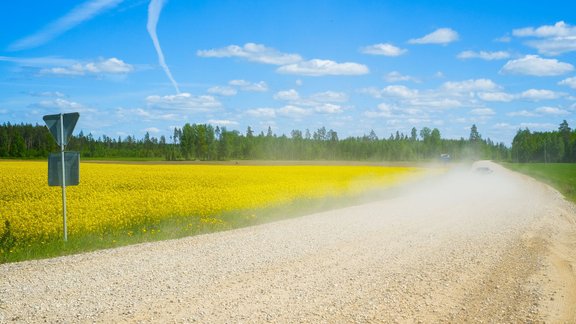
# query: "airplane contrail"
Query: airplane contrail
154,10
83,12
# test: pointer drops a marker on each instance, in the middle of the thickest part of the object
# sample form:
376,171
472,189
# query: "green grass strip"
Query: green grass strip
561,176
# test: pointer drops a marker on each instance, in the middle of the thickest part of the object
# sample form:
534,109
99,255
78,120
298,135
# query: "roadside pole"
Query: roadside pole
63,178
61,127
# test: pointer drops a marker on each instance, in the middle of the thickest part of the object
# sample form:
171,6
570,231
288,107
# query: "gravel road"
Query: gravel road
494,247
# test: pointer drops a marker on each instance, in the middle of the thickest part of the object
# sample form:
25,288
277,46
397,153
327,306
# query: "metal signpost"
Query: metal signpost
61,173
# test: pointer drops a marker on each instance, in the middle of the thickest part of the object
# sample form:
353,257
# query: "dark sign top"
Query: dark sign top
53,124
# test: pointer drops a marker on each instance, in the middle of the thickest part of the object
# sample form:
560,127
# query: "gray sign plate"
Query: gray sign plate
72,165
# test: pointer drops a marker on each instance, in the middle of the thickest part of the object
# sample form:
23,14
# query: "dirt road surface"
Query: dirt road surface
469,247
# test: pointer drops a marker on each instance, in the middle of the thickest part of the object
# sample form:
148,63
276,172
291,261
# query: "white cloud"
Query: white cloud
496,96
244,85
372,91
551,111
239,83
489,56
439,75
385,49
74,70
293,111
539,94
531,126
76,16
530,94
423,122
55,94
571,82
555,46
64,105
322,102
328,108
536,66
430,99
386,107
109,66
318,67
141,114
450,95
503,39
38,61
504,126
470,85
482,112
223,91
373,114
539,126
385,110
261,112
439,36
557,30
413,111
222,122
287,95
254,53
540,111
552,39
398,91
236,85
184,101
396,76
522,113
152,130
436,103
329,96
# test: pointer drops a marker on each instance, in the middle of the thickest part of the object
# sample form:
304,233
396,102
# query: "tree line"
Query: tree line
206,142
25,141
546,147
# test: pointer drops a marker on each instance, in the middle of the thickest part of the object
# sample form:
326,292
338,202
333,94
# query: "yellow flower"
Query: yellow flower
121,197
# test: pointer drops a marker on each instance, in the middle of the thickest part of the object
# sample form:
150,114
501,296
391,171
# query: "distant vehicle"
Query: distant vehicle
445,158
483,170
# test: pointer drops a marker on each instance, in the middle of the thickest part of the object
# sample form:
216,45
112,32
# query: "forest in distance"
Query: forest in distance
205,142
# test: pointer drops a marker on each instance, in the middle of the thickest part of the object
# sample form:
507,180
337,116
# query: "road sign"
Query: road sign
63,173
54,125
71,169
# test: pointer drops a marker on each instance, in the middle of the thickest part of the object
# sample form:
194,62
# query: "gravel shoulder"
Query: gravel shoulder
497,247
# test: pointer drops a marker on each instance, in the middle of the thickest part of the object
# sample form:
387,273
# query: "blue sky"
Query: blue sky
136,66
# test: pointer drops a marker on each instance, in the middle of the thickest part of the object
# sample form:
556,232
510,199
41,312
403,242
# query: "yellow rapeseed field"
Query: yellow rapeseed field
121,196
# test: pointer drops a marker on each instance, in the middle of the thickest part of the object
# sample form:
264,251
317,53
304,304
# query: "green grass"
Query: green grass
561,176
